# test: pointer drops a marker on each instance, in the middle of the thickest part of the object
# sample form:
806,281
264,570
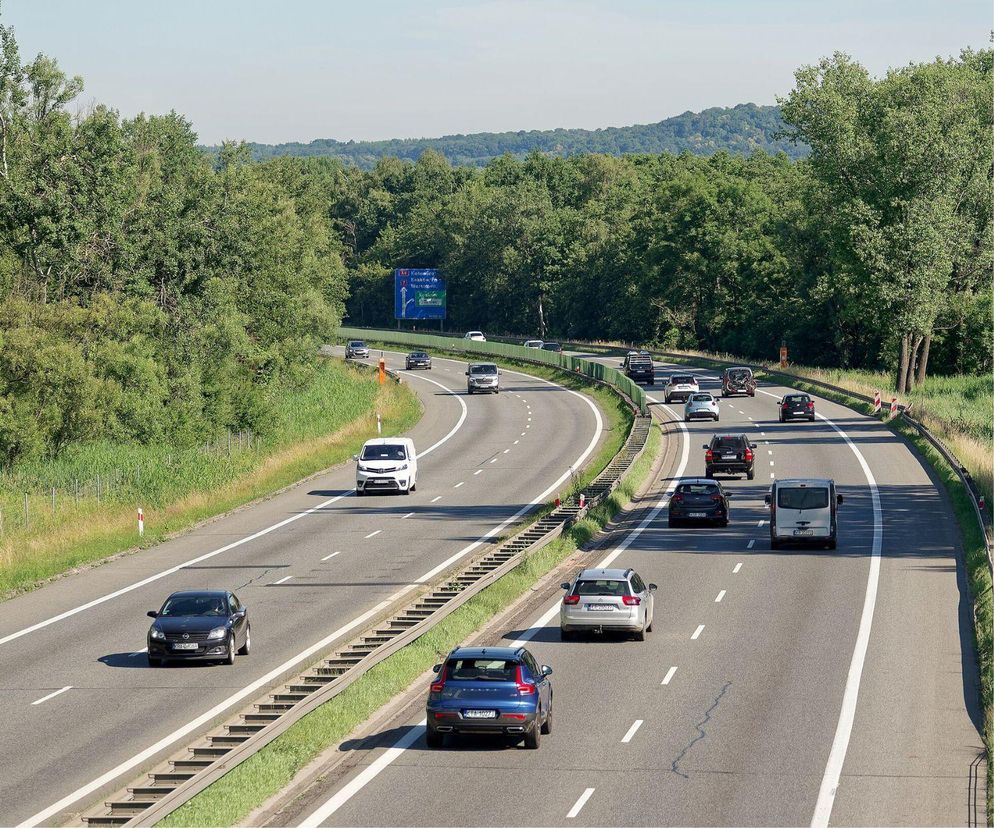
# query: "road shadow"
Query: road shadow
477,743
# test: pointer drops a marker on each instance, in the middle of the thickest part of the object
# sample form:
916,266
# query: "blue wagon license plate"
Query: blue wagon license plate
480,714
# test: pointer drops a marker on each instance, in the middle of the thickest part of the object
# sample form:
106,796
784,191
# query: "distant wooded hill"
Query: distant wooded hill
740,129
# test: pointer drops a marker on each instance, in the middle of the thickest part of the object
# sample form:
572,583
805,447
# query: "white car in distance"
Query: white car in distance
476,336
386,464
534,343
681,387
701,406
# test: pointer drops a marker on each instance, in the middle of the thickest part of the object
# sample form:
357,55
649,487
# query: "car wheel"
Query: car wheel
547,724
533,738
639,635
469,391
811,419
686,419
433,738
154,662
752,393
247,646
774,543
406,491
359,493
750,475
717,418
724,522
709,474
832,543
230,657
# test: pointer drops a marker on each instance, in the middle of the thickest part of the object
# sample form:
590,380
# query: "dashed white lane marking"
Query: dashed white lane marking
460,483
494,460
516,442
529,419
522,434
478,471
282,580
333,554
52,695
528,426
762,434
752,543
372,534
697,633
769,451
750,418
772,476
631,732
721,595
507,451
436,499
735,570
580,803
669,675
771,462
409,514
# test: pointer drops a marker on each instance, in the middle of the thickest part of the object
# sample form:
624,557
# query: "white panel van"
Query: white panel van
386,464
804,511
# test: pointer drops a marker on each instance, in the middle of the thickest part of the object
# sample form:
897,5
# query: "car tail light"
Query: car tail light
631,600
748,455
811,405
677,498
524,687
785,406
438,686
447,715
716,498
709,456
571,599
518,717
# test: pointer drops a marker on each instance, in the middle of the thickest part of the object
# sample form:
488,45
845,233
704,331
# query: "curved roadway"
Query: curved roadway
778,688
82,712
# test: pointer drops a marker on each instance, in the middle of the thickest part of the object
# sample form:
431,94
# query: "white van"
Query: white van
804,511
387,464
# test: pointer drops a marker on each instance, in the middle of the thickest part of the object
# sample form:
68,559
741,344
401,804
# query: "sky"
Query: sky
298,70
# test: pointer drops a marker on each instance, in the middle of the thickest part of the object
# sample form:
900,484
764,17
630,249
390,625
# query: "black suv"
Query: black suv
638,367
730,454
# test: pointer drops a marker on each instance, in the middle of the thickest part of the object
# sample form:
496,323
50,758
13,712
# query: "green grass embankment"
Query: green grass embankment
312,429
229,800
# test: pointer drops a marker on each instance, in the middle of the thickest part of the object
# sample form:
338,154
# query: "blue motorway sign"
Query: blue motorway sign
418,293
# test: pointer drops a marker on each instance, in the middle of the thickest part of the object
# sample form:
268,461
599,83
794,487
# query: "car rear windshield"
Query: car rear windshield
697,488
483,369
802,498
481,669
551,346
682,380
605,586
702,398
727,443
384,452
195,605
797,398
740,375
640,361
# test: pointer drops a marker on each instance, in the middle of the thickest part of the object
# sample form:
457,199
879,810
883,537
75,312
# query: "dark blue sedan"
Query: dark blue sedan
500,690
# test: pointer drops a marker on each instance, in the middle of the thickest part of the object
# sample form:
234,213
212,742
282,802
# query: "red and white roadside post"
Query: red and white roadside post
876,402
141,522
894,411
583,500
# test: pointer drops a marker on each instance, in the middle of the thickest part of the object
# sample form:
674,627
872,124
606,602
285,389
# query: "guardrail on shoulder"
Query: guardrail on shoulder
567,362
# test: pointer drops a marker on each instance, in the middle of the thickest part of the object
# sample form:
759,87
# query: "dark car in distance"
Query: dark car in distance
638,367
418,359
201,625
738,381
552,346
356,349
699,500
496,690
797,406
729,454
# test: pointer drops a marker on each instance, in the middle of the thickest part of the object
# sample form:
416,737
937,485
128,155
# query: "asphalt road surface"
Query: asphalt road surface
82,713
792,687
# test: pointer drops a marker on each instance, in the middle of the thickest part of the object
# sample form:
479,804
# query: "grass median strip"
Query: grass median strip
247,786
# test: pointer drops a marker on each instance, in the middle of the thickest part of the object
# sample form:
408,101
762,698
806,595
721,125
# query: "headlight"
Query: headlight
363,468
402,467
157,634
217,632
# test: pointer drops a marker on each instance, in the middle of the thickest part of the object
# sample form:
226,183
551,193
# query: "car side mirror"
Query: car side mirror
838,500
705,447
355,458
239,614
152,614
729,495
436,668
467,373
752,445
546,670
767,500
564,585
653,587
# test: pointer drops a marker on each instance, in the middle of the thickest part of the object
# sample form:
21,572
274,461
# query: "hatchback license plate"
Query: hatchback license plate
480,714
599,607
185,646
802,531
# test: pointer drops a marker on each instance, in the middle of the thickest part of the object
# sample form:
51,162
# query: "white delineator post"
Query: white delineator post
876,402
379,424
141,522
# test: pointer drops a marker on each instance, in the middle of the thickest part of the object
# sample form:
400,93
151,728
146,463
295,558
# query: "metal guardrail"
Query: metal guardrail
187,772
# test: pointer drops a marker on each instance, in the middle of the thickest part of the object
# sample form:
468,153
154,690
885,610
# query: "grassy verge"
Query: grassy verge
320,426
246,787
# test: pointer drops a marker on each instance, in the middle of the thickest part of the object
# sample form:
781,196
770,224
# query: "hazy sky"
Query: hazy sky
303,69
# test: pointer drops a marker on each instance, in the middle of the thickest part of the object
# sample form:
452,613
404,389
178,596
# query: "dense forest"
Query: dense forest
151,291
147,293
742,129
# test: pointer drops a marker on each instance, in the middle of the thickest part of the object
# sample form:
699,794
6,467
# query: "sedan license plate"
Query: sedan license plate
697,514
599,607
480,714
185,646
802,531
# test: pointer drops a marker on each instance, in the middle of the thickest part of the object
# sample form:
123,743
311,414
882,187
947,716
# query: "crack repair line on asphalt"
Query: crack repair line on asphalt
675,767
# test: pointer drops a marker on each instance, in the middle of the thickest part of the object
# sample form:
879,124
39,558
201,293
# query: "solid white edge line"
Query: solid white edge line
697,633
631,732
669,675
227,547
51,695
580,803
369,773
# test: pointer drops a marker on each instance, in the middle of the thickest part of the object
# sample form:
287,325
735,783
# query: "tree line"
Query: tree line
147,291
874,251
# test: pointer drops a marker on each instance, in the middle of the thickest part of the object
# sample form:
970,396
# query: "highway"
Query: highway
793,687
82,713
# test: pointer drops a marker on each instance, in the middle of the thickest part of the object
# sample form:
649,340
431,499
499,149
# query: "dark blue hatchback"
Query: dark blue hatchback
500,690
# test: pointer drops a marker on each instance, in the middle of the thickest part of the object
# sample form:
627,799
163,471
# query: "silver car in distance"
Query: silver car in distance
602,600
701,406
